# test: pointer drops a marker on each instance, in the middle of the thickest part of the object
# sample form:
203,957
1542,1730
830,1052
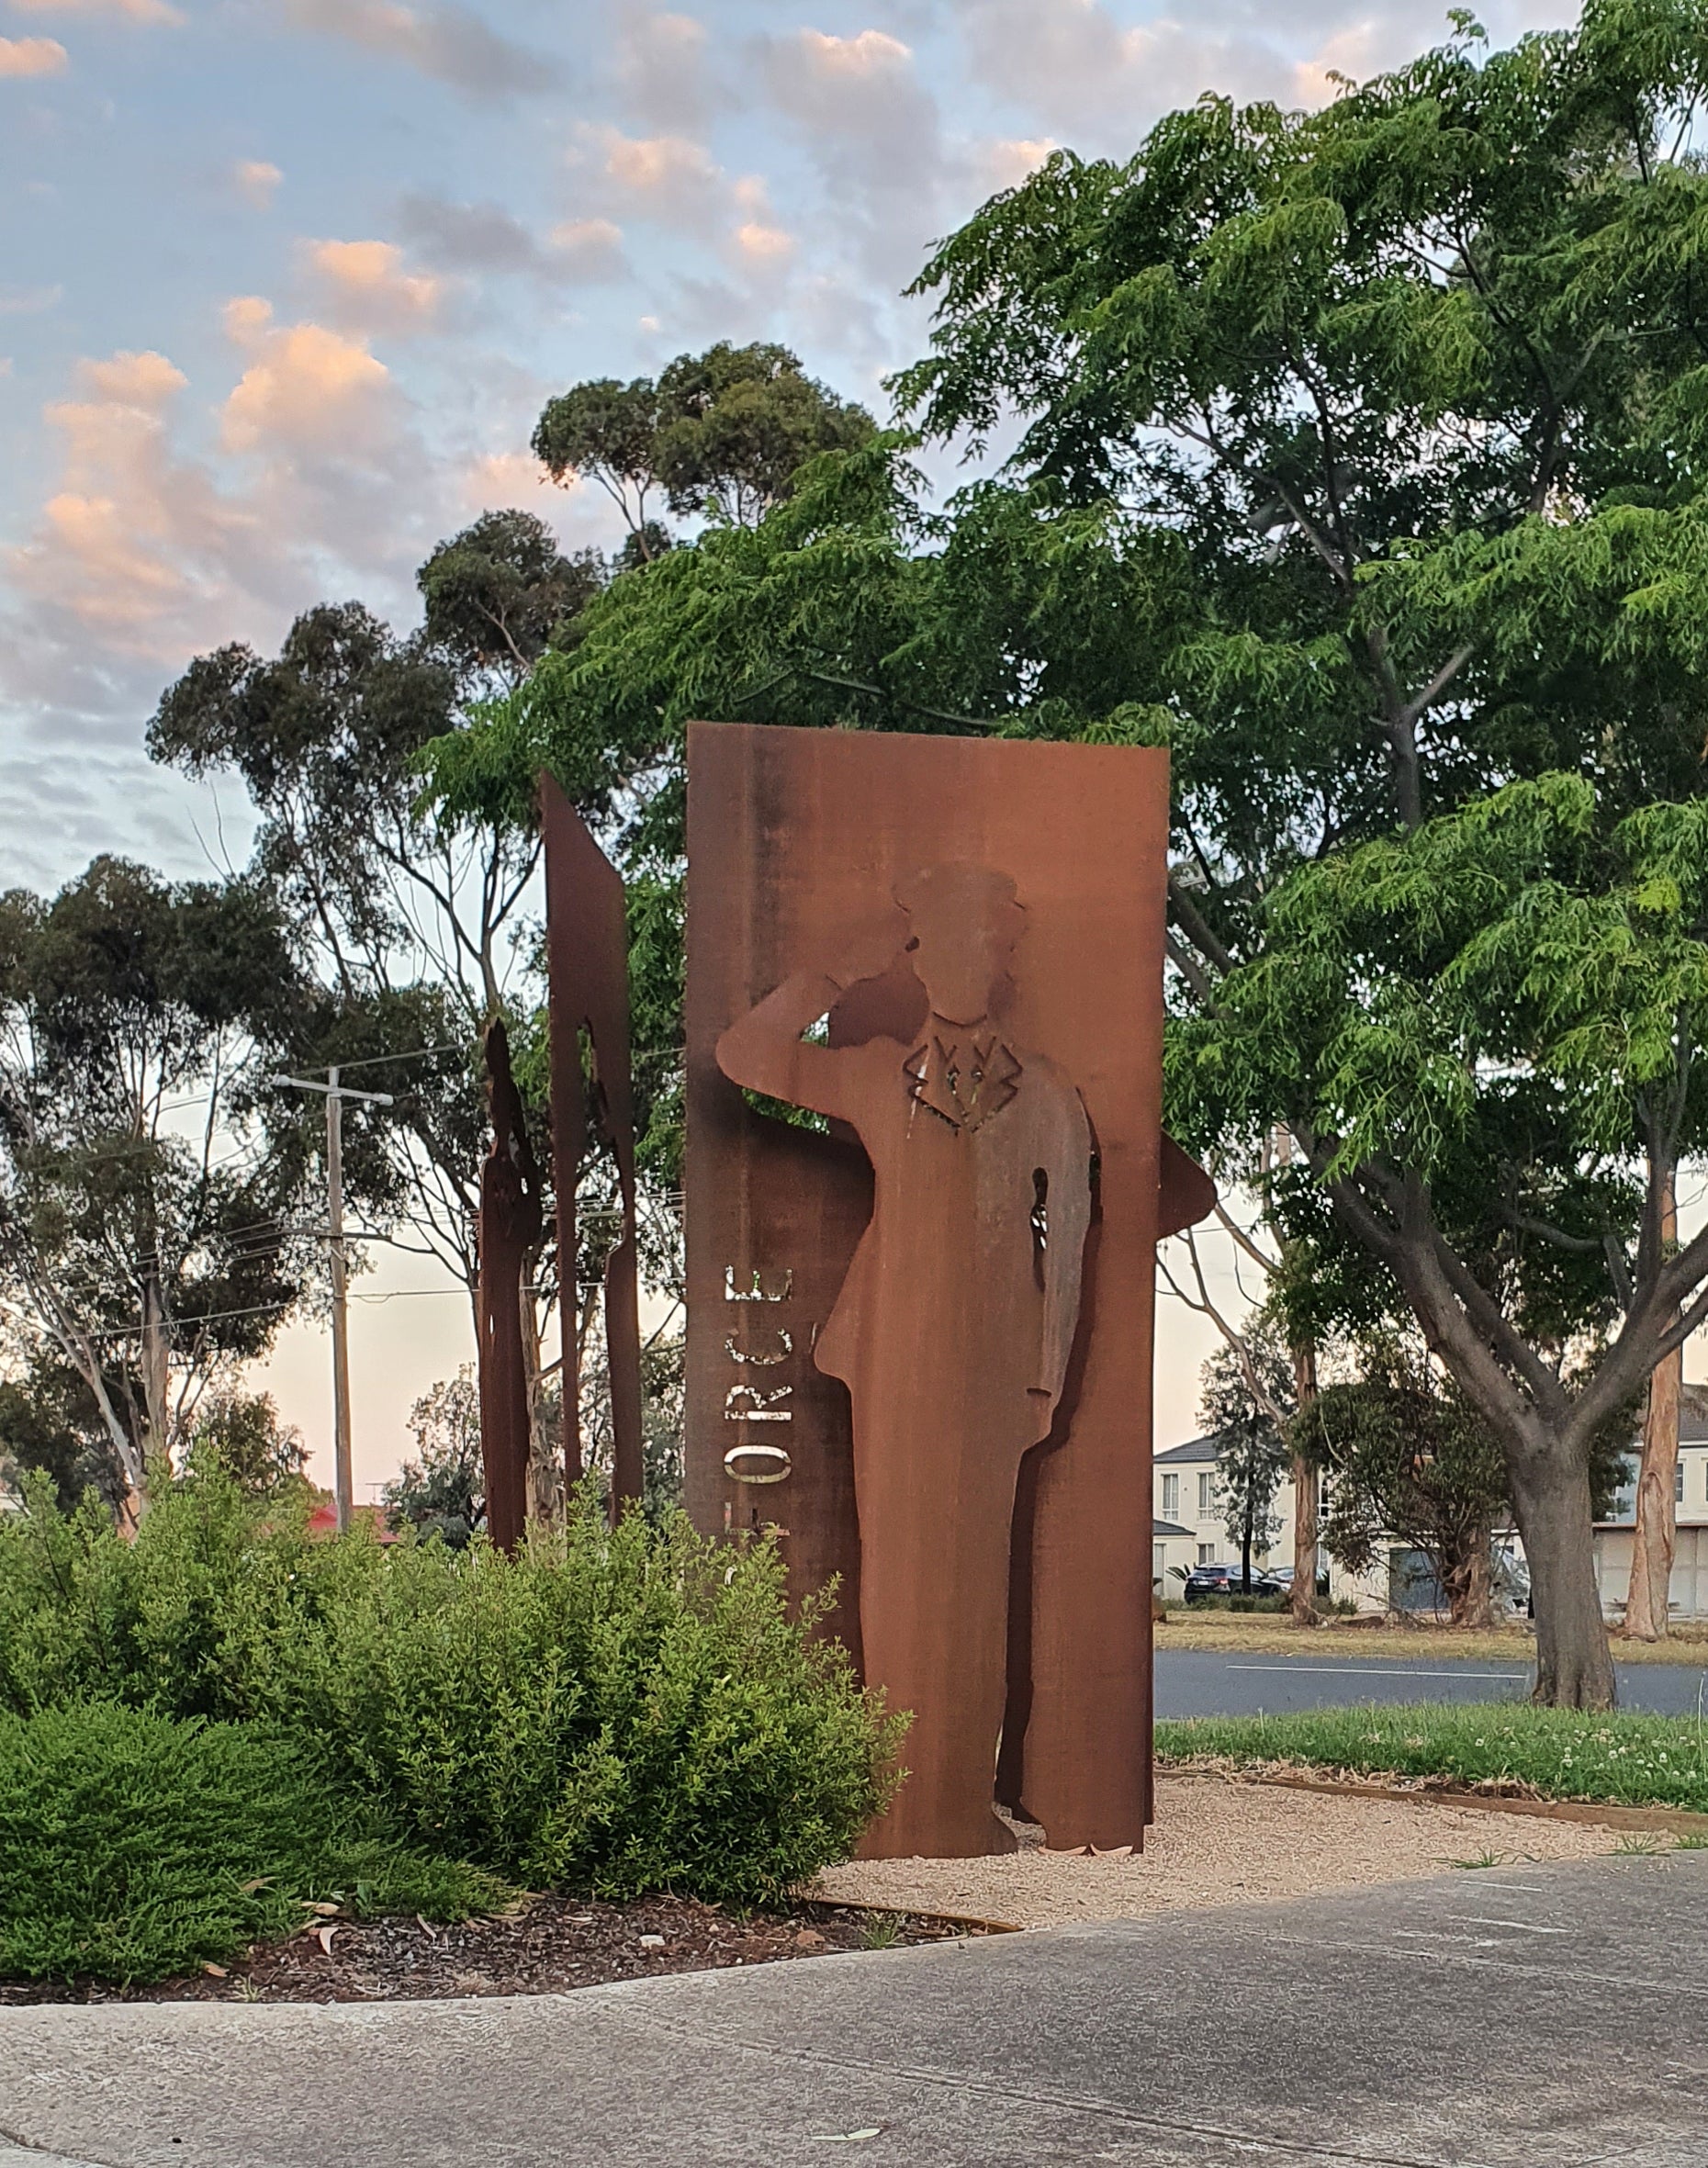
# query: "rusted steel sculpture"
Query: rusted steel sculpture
508,1227
965,1242
588,961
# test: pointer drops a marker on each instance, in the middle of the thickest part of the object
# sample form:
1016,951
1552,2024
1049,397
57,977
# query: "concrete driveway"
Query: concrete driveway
1498,2019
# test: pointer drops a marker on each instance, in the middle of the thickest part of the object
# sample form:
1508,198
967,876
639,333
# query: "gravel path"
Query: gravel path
1220,1841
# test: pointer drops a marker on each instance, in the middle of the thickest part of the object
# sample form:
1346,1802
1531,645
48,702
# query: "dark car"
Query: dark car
1224,1580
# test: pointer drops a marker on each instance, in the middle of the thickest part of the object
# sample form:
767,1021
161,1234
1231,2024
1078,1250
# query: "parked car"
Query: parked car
1225,1580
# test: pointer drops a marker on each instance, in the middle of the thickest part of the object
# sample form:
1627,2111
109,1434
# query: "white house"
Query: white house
1189,1526
1613,1539
1190,1529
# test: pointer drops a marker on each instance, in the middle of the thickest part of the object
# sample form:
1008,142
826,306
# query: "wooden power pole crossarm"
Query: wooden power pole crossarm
343,1488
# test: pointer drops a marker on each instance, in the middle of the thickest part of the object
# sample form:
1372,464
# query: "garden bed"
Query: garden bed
540,1945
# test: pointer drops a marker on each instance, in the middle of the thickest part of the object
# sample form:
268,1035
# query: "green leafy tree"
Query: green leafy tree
240,1434
494,595
726,430
146,1218
443,1488
1361,462
1416,381
50,1425
1242,1387
416,931
1407,1461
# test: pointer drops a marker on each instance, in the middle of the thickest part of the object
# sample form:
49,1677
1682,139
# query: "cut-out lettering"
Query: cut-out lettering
757,1464
756,1291
738,1354
763,1404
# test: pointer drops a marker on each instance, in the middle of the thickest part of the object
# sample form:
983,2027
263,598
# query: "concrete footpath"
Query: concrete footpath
1524,2017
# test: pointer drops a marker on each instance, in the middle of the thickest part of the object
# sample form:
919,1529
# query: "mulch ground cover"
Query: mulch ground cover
544,1946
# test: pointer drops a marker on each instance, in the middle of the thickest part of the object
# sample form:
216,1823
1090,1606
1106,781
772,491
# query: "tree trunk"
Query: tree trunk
156,1354
545,1467
1306,1534
1656,1508
1471,1587
1574,1666
1245,1548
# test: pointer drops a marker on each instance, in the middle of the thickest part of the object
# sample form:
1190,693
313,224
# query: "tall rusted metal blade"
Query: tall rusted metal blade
588,961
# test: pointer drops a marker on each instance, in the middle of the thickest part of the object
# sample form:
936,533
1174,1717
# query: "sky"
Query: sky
283,284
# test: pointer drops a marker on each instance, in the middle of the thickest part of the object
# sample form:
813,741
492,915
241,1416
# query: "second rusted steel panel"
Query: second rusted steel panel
509,1226
587,960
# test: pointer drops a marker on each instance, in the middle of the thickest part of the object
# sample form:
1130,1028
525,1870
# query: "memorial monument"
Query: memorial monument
925,1180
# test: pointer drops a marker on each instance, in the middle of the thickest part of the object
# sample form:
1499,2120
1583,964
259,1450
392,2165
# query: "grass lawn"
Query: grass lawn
1555,1753
1258,1634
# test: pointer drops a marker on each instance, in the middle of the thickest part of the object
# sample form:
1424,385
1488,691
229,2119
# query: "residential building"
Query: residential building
1614,1539
1190,1531
1185,1504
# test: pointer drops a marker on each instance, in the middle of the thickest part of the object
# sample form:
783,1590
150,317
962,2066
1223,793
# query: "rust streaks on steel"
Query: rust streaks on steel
587,960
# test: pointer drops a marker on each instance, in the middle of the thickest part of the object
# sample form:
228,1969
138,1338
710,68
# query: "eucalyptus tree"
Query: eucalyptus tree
418,933
150,1231
722,432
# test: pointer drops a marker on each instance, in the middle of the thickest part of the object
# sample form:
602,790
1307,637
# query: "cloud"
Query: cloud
1100,81
307,386
661,73
483,239
21,57
588,250
668,178
1003,161
153,13
874,132
364,284
257,182
759,241
452,44
29,301
142,553
674,182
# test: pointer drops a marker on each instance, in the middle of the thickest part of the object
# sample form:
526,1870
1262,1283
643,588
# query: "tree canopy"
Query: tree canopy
140,1251
724,432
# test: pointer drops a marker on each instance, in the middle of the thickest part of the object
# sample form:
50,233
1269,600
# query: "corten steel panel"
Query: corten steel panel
587,949
509,1226
798,844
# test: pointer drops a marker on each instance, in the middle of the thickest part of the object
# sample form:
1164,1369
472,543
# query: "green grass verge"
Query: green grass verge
1620,1759
134,1847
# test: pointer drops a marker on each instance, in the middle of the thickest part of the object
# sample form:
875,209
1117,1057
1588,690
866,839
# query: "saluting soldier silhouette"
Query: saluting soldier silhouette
954,1325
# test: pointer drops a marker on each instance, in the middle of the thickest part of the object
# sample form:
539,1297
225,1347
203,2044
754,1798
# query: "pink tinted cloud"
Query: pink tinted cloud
21,58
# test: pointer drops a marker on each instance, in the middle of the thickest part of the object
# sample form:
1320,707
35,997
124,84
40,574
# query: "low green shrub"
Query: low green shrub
609,1710
1629,1760
135,1846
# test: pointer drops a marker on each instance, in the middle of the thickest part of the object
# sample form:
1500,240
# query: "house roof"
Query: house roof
1168,1528
1202,1449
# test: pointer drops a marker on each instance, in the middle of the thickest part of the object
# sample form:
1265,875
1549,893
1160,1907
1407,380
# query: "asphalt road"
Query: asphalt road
1491,2020
1194,1682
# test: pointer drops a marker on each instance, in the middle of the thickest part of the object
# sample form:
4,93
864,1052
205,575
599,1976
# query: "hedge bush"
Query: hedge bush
612,1712
134,1846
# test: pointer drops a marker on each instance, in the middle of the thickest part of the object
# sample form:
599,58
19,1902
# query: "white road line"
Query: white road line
1369,1671
1523,1927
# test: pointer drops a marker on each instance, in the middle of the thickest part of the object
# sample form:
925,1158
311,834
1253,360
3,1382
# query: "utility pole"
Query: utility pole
336,1093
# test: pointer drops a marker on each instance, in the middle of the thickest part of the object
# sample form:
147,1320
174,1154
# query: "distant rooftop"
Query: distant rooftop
1206,1449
